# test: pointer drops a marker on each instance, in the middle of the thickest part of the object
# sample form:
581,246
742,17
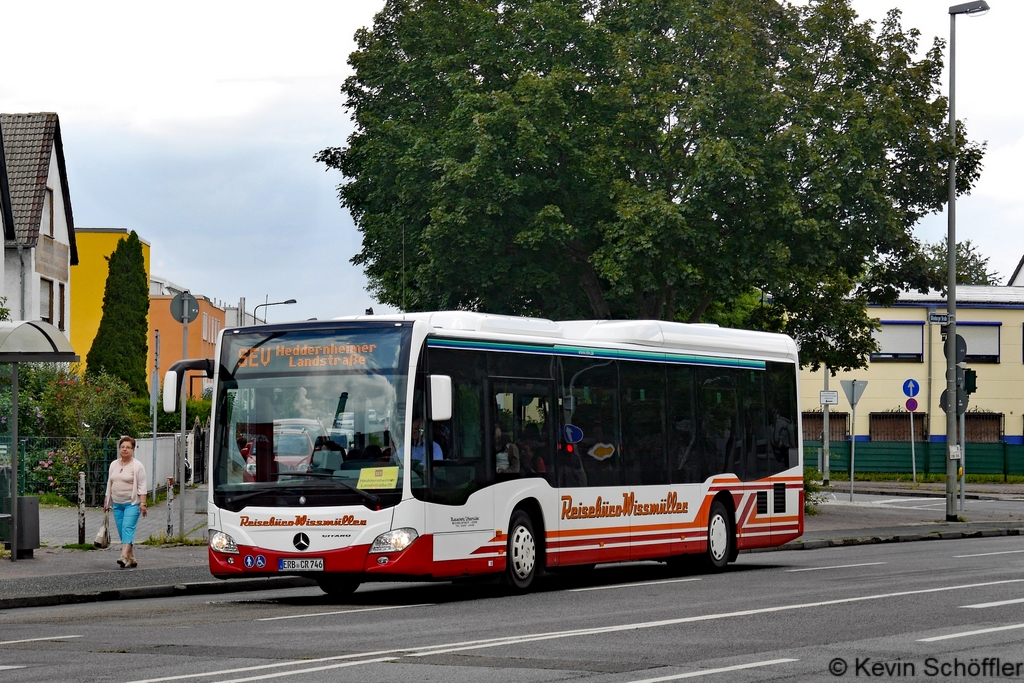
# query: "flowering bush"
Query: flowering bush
31,421
56,471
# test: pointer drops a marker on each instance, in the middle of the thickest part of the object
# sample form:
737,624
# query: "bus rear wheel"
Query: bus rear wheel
720,537
520,553
338,586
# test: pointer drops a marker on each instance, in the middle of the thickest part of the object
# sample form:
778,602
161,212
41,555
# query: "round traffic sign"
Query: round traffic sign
961,349
961,401
911,404
572,434
184,305
911,387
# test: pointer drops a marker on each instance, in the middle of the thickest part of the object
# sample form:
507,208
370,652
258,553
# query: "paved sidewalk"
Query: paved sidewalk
58,576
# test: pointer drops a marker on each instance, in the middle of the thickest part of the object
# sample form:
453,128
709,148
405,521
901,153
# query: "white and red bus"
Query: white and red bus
451,444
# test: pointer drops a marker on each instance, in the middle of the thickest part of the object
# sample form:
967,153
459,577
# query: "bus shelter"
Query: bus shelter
24,341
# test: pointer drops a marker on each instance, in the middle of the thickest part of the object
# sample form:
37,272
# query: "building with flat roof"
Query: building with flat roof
910,340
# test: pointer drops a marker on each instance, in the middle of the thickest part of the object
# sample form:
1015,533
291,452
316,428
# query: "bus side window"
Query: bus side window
642,398
684,447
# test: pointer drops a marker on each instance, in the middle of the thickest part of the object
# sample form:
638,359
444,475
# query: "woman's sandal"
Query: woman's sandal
122,562
133,564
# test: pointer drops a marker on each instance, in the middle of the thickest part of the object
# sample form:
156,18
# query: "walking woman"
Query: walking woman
126,493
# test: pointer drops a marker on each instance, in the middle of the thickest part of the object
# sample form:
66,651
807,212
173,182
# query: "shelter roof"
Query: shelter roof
34,341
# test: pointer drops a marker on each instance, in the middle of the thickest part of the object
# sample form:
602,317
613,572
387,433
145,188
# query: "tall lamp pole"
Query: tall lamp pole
952,448
272,303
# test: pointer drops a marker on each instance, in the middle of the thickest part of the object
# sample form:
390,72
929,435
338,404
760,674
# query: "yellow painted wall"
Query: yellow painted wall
1000,385
89,278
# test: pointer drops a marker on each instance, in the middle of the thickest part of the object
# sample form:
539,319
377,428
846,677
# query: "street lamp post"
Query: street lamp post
272,303
952,448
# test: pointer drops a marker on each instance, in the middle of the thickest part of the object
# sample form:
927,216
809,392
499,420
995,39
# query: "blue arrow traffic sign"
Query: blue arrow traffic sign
911,388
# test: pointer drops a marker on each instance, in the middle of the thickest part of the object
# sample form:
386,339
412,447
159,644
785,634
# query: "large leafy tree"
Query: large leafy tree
971,265
647,158
120,347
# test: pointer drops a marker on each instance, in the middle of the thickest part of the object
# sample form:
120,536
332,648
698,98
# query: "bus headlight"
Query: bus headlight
222,543
394,541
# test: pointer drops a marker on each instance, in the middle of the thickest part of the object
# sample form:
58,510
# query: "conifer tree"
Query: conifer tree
120,346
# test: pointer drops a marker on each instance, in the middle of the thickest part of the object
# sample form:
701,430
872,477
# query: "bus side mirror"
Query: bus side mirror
176,374
172,390
440,398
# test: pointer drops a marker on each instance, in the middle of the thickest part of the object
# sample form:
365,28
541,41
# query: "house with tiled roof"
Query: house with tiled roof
39,228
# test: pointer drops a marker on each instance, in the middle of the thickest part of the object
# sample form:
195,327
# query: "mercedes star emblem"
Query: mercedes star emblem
301,541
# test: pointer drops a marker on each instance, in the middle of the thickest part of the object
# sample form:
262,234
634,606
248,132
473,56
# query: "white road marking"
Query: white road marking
345,611
993,604
33,640
303,671
5,667
270,666
630,585
708,672
1002,552
915,499
970,633
836,566
429,650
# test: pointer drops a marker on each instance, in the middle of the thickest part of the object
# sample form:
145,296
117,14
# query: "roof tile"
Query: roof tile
28,143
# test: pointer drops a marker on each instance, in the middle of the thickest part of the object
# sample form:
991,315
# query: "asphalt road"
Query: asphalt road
790,615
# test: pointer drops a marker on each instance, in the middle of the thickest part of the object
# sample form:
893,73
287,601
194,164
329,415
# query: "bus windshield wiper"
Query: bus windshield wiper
324,476
260,491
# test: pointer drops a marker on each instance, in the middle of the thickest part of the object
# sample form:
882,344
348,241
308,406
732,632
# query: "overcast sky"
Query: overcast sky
196,126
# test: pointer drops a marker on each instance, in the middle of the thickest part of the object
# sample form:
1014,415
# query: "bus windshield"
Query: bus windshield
311,416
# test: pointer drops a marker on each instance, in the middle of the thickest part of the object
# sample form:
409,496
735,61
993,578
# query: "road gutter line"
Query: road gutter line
970,633
837,566
346,611
993,604
1002,552
630,585
708,672
33,640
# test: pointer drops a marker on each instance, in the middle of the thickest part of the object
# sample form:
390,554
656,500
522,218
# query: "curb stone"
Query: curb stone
146,592
902,538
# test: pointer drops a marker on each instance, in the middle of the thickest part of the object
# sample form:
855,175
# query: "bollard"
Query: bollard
170,506
81,508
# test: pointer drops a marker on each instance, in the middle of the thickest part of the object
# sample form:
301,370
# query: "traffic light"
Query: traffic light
970,381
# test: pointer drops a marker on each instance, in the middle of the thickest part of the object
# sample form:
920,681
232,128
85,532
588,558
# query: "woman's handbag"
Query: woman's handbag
103,535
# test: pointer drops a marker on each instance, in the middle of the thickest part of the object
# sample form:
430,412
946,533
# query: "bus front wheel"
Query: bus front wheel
338,586
720,537
520,553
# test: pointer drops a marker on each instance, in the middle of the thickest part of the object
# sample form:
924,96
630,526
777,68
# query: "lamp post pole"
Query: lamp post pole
272,303
952,448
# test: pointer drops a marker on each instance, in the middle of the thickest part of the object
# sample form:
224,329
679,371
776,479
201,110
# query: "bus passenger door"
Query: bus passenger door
522,437
461,511
656,523
595,506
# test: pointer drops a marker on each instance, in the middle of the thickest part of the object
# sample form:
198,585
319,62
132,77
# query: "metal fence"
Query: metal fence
52,464
838,425
895,426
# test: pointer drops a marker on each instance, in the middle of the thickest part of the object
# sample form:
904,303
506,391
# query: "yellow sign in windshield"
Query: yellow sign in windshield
378,478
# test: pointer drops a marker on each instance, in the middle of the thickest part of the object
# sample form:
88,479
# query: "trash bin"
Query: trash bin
28,527
201,493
